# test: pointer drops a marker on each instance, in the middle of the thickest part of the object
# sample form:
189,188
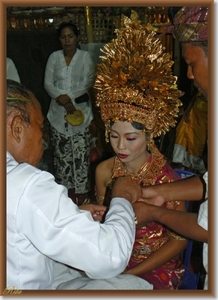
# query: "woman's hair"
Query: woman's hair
18,99
138,126
70,25
134,124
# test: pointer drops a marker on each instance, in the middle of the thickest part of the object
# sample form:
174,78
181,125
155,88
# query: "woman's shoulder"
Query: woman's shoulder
83,53
106,166
56,53
106,163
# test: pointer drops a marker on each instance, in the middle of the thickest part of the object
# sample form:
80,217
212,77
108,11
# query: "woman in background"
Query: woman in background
69,75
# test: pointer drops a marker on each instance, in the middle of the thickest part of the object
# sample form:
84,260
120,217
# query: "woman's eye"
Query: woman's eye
113,136
131,139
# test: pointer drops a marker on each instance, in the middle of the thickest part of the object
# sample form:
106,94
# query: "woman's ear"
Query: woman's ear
17,127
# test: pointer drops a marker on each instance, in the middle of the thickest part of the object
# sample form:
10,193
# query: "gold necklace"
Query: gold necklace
147,174
139,172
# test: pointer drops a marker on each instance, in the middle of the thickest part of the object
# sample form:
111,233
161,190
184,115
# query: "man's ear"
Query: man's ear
17,127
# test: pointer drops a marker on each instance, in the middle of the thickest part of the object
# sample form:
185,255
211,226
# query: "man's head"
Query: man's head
24,123
197,62
190,27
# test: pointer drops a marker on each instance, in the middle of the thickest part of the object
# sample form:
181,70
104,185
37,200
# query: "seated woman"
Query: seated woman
138,100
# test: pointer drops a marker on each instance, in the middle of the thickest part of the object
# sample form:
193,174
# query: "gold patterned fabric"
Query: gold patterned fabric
134,81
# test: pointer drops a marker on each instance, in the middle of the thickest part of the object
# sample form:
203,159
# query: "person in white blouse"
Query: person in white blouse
69,75
51,242
11,70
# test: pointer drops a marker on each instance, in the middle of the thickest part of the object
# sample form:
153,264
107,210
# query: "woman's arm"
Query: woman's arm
49,77
158,258
102,177
164,254
61,98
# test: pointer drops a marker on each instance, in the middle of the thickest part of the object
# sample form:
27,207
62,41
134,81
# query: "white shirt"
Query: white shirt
203,222
11,70
73,80
44,226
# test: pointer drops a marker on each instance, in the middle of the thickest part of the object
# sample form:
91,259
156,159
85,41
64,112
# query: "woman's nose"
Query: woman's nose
121,145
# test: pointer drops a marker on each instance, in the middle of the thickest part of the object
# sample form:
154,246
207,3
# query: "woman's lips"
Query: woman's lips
122,156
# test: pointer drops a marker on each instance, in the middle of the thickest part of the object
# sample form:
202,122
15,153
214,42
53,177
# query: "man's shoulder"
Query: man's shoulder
27,171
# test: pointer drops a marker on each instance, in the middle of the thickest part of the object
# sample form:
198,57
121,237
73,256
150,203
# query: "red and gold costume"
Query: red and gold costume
135,83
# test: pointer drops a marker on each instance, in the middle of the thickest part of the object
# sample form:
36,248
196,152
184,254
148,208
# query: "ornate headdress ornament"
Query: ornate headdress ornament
134,80
190,24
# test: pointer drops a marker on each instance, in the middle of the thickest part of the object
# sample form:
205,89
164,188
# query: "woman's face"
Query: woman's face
68,39
127,142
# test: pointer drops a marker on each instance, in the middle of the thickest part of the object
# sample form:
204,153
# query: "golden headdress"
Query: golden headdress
134,79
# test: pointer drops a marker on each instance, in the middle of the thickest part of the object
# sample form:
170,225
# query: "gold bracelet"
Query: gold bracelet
100,199
176,236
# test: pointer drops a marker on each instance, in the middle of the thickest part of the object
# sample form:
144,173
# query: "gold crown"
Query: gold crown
134,80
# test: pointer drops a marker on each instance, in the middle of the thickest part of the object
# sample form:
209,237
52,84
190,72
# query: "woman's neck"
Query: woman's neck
134,166
69,53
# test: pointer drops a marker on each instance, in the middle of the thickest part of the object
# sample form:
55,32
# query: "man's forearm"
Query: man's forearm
183,223
187,189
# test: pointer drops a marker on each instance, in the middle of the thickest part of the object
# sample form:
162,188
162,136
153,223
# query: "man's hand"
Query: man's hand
126,187
143,213
97,211
152,195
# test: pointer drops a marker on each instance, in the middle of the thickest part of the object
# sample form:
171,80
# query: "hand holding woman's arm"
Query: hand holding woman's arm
188,189
184,223
127,188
